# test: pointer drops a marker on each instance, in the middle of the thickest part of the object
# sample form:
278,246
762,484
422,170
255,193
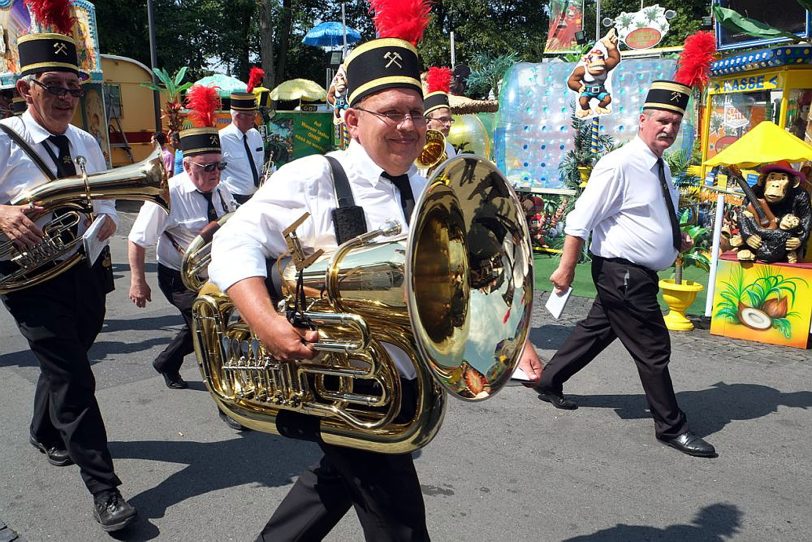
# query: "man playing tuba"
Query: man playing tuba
59,317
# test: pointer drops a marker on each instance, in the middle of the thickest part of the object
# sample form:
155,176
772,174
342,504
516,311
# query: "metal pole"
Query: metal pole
453,55
344,27
598,21
717,238
153,58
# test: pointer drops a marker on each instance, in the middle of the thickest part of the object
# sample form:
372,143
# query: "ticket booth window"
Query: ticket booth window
798,105
733,115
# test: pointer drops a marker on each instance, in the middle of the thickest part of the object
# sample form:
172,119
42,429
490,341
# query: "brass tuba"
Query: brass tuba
455,295
433,153
73,198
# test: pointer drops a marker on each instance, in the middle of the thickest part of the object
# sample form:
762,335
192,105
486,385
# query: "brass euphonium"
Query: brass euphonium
455,295
433,153
73,198
196,258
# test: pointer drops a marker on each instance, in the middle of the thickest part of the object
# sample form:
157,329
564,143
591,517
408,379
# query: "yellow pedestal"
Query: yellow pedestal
679,297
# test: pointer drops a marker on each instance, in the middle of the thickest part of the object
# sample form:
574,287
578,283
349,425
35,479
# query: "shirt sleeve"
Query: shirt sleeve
149,225
602,198
254,234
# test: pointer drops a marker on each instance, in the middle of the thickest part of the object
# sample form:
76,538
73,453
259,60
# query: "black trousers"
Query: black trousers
383,489
170,360
60,319
626,308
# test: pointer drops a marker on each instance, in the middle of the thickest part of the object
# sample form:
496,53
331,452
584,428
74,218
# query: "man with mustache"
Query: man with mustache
629,208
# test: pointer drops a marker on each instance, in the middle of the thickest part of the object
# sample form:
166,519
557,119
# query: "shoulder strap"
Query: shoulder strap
28,150
341,184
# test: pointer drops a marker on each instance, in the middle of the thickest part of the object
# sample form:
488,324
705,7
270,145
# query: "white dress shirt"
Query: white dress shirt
18,173
241,247
624,208
188,215
237,175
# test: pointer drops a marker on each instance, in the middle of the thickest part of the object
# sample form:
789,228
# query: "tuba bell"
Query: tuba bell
73,198
455,295
433,153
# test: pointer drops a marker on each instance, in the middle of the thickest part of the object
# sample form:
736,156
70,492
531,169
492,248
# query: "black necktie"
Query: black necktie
210,211
406,196
250,159
64,162
669,203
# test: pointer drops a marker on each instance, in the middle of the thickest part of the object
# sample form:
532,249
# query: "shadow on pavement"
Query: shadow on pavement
708,410
714,523
252,459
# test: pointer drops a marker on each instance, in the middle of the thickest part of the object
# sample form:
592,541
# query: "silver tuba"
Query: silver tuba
73,198
455,295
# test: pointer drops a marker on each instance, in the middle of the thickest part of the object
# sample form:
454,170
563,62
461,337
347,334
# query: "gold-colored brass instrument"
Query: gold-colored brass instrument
195,263
433,153
73,198
455,295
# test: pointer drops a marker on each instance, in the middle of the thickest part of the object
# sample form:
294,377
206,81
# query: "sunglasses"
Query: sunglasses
61,92
211,166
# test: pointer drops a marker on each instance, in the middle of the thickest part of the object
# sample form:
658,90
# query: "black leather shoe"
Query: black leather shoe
690,444
57,455
556,399
174,381
235,425
112,512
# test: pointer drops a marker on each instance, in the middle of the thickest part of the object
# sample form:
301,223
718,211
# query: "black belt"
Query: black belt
622,261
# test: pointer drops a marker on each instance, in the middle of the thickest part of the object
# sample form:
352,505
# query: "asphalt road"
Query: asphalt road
511,468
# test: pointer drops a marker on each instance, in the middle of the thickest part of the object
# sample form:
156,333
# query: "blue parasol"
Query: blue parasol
330,34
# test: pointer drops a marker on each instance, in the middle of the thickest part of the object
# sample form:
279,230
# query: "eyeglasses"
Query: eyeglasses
61,92
393,117
443,120
211,166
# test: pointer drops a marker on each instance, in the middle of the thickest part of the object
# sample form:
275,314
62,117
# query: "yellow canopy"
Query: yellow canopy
764,144
299,89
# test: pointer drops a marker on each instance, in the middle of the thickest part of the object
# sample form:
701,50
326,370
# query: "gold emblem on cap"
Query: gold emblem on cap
213,140
60,48
675,96
394,58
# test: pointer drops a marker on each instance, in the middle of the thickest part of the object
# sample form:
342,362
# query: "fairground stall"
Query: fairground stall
756,129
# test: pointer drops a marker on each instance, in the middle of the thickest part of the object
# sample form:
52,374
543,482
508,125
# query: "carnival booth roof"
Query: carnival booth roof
764,144
299,89
461,105
225,84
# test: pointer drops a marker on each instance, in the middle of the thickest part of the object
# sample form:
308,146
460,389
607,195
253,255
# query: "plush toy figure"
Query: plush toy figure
787,206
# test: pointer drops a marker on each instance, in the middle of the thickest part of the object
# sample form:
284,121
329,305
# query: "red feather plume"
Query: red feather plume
202,103
404,19
439,79
52,14
255,77
694,63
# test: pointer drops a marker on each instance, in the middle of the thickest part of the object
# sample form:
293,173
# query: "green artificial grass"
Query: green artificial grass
582,285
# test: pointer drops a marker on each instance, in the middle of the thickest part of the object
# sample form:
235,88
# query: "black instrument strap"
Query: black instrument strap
341,183
29,151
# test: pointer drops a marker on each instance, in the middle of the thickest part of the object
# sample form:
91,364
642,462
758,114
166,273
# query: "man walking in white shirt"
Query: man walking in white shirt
629,207
242,148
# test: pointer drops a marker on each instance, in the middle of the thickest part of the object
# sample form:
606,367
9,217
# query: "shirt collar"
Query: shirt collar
185,182
647,155
38,133
367,168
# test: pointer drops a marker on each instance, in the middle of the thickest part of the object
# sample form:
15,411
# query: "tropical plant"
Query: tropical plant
582,153
173,86
695,255
487,71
